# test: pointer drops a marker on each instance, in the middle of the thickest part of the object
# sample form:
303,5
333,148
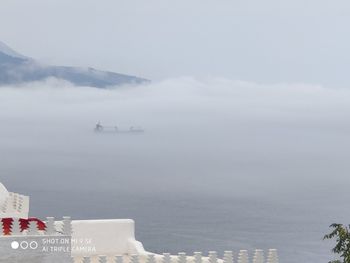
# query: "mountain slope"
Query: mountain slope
9,51
16,68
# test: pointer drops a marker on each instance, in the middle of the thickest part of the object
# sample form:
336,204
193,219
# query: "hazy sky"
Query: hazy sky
265,41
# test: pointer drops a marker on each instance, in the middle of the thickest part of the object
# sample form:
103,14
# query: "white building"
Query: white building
108,241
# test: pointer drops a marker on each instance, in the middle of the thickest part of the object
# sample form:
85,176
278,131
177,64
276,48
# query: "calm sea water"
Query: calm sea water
188,223
181,205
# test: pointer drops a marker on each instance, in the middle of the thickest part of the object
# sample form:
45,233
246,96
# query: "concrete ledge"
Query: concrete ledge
105,237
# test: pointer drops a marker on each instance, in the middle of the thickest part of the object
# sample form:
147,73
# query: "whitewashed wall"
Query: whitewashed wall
106,237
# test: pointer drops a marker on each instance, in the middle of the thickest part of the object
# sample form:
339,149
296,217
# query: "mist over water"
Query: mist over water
222,164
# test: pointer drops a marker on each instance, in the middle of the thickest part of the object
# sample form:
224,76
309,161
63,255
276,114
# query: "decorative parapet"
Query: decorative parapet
228,257
54,241
35,227
15,205
272,256
32,240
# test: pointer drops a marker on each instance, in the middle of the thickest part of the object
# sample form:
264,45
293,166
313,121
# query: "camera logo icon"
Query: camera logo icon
24,245
14,245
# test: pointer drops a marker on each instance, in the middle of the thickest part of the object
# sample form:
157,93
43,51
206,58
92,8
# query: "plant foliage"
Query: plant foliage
342,235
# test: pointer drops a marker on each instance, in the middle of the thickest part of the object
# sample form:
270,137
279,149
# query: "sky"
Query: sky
263,41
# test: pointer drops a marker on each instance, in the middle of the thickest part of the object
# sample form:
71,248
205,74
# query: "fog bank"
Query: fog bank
213,136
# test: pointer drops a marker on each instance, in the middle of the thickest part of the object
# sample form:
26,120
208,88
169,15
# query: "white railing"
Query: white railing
229,257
